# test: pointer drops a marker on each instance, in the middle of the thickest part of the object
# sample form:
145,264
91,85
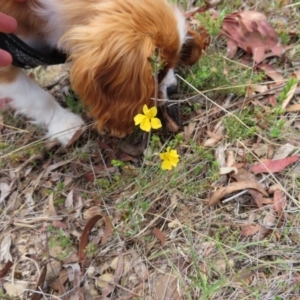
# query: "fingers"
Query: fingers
7,23
5,58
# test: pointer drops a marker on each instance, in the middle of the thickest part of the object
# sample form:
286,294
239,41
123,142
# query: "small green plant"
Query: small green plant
235,126
212,25
73,103
118,163
284,93
59,238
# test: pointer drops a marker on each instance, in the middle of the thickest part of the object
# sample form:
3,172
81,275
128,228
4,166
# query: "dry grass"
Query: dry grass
167,243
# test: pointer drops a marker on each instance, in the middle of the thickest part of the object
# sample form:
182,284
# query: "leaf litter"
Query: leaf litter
58,191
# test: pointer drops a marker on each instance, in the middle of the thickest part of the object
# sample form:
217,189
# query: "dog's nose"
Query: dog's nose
172,89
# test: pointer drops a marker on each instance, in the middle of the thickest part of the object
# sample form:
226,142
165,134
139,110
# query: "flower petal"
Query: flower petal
145,110
145,124
155,122
152,112
166,165
138,119
173,161
162,156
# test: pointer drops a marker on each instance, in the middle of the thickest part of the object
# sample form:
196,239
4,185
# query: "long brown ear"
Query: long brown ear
192,48
112,77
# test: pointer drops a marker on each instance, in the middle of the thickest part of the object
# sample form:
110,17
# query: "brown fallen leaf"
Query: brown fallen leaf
40,284
293,107
274,166
166,287
243,175
157,232
6,269
279,201
234,187
86,232
271,72
249,229
251,31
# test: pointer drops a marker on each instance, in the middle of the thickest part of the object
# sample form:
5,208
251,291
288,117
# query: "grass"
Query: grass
203,247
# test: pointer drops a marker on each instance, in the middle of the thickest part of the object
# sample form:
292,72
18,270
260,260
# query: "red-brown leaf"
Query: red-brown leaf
157,232
274,166
279,201
250,229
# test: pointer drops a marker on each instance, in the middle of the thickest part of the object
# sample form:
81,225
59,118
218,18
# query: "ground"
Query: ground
101,220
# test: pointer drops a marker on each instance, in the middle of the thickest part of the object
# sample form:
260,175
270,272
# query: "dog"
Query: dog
111,45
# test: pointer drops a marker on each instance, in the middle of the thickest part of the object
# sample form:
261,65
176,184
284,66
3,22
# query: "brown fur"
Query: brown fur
110,43
8,74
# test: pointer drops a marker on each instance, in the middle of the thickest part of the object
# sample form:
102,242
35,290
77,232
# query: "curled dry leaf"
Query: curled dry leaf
5,270
274,166
213,139
251,31
234,187
279,201
40,284
250,229
157,232
227,170
243,175
87,230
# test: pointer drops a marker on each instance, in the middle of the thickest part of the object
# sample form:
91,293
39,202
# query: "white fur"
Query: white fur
168,81
181,26
56,26
28,99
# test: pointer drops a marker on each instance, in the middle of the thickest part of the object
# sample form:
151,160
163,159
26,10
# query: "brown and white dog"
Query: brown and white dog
109,44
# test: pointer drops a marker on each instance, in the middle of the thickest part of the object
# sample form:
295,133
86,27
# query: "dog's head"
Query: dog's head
116,55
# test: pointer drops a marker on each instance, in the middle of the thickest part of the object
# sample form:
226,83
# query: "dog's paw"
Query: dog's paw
65,126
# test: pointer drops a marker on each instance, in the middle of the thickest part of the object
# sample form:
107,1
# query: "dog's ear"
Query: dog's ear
112,76
192,48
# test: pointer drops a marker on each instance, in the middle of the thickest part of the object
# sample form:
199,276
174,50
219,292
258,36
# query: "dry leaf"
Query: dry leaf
272,73
188,131
5,190
74,201
279,201
40,284
269,220
227,170
213,140
5,255
16,289
6,269
139,267
284,151
273,166
166,287
234,187
251,31
230,159
157,232
87,230
104,280
289,95
293,108
243,175
250,229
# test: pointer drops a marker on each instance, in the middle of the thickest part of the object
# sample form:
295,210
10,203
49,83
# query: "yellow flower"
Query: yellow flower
170,159
147,120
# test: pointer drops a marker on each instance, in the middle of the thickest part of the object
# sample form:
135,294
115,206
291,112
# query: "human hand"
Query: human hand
7,25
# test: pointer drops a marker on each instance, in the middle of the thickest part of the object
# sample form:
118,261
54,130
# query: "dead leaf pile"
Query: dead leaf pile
251,31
